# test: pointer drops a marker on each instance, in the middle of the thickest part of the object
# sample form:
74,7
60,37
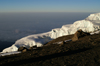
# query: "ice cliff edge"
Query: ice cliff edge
90,24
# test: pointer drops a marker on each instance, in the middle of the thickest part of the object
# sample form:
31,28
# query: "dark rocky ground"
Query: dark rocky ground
83,52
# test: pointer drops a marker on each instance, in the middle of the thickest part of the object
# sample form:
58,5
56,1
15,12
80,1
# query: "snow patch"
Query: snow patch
10,53
60,42
97,32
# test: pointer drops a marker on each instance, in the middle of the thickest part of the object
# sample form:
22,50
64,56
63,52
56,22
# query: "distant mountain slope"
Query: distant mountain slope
90,24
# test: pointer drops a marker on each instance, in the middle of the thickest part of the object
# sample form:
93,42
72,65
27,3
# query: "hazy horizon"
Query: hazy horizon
14,26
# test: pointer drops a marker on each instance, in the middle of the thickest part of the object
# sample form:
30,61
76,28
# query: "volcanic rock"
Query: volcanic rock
21,48
79,34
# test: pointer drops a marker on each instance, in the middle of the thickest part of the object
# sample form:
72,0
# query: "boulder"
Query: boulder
21,48
24,50
31,48
79,34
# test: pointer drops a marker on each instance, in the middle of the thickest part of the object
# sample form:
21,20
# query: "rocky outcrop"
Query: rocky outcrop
79,34
22,49
33,47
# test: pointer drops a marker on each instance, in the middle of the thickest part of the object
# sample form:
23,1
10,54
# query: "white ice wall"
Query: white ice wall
29,41
94,16
85,25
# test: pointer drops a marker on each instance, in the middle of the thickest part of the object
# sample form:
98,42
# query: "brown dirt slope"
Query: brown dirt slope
63,38
84,52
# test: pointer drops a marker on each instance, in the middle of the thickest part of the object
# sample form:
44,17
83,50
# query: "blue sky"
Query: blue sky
49,5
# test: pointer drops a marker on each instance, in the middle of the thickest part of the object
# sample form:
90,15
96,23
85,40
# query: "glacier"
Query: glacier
90,24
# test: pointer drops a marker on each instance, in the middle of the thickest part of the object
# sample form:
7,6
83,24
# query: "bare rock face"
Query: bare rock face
79,34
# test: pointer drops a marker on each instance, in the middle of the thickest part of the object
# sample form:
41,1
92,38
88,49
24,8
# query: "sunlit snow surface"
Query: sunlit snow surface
90,24
10,53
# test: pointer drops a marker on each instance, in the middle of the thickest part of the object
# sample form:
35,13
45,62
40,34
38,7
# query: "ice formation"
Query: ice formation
90,24
29,41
